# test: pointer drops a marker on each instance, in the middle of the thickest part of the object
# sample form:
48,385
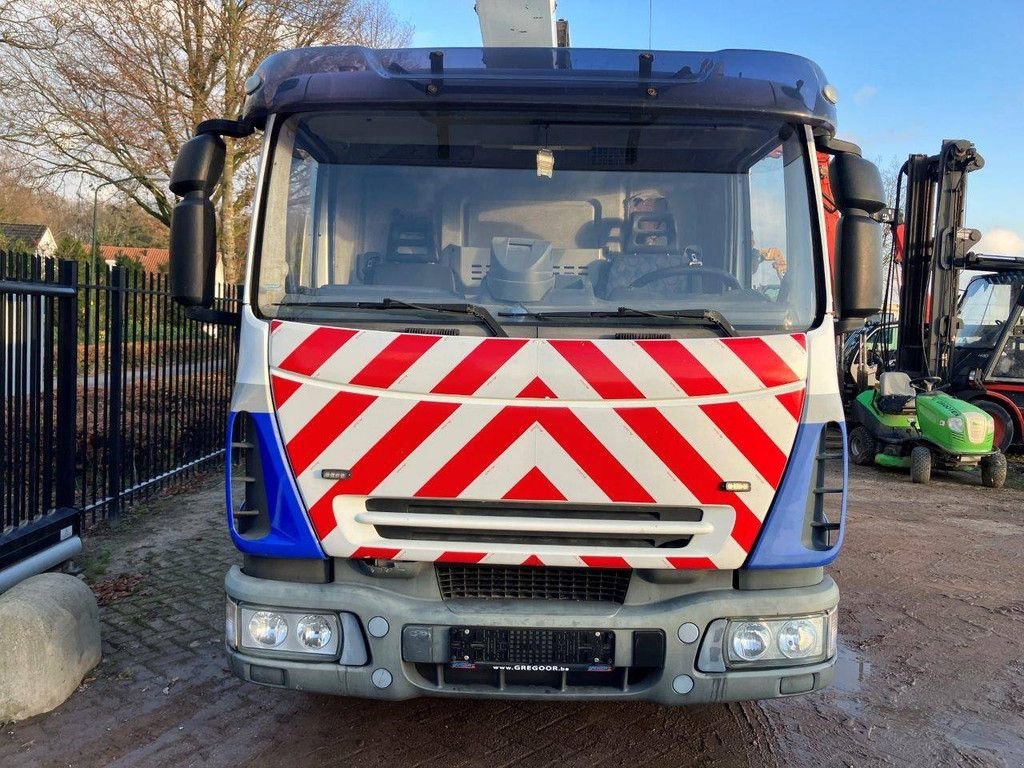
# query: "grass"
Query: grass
96,564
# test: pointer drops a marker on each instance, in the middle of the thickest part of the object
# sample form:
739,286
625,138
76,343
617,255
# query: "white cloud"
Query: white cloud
1001,241
864,94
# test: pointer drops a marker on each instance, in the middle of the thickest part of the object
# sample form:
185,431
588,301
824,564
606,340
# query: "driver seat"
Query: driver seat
651,244
896,395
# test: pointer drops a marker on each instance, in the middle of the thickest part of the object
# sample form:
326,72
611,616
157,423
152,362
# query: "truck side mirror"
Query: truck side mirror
860,289
197,171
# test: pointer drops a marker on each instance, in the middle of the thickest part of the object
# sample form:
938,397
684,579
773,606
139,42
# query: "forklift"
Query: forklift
987,366
928,406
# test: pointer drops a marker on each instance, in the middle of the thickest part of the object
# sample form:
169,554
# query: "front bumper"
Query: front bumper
389,675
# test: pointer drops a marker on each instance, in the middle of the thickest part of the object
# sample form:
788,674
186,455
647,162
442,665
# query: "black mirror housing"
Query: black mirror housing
856,184
860,286
193,251
197,170
199,165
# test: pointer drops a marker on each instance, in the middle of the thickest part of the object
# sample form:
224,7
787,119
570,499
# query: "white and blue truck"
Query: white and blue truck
537,362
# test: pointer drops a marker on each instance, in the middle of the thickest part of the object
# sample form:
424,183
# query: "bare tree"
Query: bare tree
109,89
18,27
377,27
890,171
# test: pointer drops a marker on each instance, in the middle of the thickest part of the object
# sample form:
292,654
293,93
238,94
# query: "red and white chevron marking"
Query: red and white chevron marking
606,421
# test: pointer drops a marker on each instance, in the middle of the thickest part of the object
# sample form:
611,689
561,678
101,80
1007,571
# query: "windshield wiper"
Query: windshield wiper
474,310
705,317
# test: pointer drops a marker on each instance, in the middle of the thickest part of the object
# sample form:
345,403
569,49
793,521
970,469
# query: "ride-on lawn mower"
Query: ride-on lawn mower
900,426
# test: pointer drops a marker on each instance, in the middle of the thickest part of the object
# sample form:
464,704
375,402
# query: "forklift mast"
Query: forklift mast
935,250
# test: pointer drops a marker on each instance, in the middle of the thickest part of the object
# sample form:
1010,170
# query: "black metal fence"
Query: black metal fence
108,393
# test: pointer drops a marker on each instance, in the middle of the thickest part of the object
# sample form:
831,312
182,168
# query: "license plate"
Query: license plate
528,648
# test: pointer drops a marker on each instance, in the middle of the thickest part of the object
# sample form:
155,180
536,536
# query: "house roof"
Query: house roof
152,259
29,234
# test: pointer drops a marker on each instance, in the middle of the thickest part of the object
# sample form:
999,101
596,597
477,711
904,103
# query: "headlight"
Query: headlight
768,642
314,632
268,629
750,641
798,639
956,425
774,640
289,632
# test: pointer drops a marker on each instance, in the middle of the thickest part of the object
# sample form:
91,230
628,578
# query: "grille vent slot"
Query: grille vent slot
431,331
249,514
826,502
636,336
478,271
496,582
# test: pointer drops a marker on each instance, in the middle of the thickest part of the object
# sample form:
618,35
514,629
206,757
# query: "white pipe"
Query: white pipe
39,562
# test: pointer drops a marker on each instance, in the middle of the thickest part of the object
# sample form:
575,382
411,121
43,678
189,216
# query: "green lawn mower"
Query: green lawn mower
921,429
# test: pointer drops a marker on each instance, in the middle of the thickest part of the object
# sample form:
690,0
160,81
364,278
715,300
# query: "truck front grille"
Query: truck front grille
499,582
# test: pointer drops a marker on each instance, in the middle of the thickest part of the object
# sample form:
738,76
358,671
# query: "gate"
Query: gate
108,394
39,525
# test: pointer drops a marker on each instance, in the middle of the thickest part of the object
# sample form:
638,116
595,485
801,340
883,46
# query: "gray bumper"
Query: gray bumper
408,617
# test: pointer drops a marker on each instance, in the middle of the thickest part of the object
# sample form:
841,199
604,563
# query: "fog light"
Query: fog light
314,632
797,639
751,641
268,629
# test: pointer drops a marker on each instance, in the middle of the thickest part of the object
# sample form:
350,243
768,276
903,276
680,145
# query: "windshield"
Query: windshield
985,307
537,219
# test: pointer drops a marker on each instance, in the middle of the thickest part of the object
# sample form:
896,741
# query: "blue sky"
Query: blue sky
907,76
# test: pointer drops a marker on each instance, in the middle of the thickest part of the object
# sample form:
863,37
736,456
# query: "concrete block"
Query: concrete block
49,640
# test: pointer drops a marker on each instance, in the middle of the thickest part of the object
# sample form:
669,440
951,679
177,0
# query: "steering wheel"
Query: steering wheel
928,383
683,269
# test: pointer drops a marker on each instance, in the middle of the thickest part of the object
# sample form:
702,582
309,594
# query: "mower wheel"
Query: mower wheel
993,470
921,465
862,446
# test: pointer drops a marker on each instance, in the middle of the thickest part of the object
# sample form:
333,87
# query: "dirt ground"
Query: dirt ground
931,670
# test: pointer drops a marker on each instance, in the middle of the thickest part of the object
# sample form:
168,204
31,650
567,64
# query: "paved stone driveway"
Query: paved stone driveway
943,562
162,695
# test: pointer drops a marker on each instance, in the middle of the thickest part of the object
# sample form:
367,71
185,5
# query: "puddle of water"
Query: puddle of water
852,670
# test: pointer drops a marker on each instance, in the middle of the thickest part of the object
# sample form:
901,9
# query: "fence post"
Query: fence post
115,376
67,386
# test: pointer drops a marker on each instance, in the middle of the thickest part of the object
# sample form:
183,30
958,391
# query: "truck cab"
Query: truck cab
537,362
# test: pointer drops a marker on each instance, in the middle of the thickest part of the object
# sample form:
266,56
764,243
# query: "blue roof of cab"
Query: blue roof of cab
730,81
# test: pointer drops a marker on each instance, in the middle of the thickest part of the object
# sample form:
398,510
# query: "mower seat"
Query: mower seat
896,395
